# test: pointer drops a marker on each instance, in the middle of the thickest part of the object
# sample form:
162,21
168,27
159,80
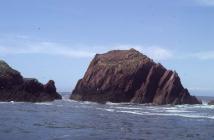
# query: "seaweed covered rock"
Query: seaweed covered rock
13,87
130,76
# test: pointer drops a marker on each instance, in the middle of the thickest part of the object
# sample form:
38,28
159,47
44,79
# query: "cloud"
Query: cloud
47,48
155,52
206,55
80,51
158,53
201,55
205,2
88,51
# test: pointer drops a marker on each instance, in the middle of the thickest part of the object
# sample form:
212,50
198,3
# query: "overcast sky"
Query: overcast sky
56,39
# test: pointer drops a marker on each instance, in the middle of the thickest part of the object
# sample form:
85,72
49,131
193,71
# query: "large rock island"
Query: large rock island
13,87
129,76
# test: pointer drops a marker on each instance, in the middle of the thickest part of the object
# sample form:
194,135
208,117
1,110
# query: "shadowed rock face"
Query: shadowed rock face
129,76
13,87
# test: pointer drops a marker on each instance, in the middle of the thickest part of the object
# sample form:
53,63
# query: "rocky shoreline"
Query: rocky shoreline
116,76
13,87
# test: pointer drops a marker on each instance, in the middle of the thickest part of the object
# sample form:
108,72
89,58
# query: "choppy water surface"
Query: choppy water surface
66,120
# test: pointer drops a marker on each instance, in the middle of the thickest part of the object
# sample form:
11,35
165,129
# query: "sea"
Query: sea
72,120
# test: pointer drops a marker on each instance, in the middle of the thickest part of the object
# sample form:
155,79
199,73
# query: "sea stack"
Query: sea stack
129,76
13,87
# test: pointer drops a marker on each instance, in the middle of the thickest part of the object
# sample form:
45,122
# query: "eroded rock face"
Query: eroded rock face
129,76
13,87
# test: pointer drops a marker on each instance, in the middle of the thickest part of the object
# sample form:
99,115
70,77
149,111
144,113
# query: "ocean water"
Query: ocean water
72,120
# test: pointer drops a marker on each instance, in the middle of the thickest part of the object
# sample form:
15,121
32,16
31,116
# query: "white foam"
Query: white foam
129,108
44,103
115,104
4,102
204,102
201,106
188,116
178,111
12,102
131,112
110,110
87,103
106,109
194,116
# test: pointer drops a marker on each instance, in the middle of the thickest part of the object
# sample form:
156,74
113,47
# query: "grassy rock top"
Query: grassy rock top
116,57
126,60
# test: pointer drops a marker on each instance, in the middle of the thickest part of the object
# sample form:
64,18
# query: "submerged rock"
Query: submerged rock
129,76
13,87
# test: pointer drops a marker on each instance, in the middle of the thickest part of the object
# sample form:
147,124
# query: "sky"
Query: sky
57,39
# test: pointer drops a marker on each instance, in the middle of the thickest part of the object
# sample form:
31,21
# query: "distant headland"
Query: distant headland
13,87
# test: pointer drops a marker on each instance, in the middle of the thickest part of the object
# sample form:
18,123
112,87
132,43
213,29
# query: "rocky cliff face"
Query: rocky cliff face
129,76
13,87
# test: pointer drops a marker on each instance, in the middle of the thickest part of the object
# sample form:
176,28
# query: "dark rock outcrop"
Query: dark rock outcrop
13,87
129,76
211,102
